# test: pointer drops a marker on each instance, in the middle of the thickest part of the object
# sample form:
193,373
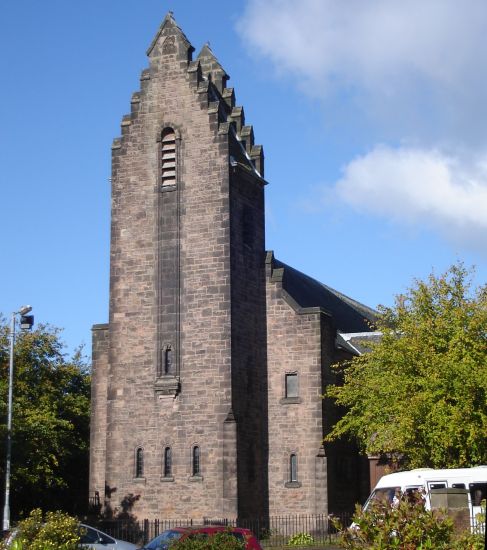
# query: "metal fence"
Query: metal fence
272,532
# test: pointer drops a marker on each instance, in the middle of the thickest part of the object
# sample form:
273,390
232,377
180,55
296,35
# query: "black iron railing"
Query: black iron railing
273,531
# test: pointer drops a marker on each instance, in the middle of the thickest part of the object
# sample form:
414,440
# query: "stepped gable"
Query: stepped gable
209,79
167,36
169,40
244,152
348,314
210,67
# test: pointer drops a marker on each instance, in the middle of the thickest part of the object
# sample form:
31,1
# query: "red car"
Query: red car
168,537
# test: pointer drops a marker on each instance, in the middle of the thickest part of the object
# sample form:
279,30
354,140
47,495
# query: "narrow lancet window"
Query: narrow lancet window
139,462
293,468
168,361
168,158
196,470
167,462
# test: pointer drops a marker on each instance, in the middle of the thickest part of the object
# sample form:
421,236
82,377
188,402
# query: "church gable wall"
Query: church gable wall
208,378
148,306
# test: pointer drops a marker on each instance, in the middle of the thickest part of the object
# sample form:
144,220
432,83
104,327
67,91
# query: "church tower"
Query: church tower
179,372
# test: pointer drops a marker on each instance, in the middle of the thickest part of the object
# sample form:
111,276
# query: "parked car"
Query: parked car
165,539
98,540
90,538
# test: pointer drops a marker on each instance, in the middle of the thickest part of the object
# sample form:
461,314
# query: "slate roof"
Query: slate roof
348,314
357,343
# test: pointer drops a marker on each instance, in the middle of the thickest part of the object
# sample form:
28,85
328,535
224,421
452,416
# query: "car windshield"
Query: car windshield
385,494
163,539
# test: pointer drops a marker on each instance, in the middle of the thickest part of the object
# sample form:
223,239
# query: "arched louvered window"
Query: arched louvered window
139,462
168,158
196,466
293,468
167,462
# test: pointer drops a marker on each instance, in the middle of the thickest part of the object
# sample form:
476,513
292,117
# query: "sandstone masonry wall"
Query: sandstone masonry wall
294,346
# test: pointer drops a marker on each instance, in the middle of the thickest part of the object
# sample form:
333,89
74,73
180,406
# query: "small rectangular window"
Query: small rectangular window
478,493
413,494
291,385
437,486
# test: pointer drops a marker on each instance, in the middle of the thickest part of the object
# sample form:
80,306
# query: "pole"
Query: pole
6,508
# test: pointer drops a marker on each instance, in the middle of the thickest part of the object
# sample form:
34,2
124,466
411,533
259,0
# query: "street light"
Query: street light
26,322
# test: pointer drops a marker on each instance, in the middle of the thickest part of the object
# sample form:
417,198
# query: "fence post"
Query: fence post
146,531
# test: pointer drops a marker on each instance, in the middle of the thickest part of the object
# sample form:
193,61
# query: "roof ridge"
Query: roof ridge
351,301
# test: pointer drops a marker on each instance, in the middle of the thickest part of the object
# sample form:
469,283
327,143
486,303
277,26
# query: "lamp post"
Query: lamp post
26,322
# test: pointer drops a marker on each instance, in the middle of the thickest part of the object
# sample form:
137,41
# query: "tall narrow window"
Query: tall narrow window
139,462
293,468
168,361
196,470
168,158
167,462
291,389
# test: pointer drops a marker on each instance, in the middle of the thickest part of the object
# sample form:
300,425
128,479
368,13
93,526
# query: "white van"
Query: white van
426,479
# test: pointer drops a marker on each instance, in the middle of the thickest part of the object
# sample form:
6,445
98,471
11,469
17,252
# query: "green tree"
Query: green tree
421,392
50,430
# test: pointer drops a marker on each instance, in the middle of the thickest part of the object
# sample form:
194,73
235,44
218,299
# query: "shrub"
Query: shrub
301,539
57,531
468,541
219,541
406,525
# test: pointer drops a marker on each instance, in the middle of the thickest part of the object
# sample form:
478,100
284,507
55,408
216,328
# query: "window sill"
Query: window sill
167,188
292,485
139,479
290,400
167,478
196,478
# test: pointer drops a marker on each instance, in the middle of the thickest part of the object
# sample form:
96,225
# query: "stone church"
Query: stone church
207,379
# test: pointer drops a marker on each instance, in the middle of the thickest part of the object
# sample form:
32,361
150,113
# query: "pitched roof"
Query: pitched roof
348,314
357,343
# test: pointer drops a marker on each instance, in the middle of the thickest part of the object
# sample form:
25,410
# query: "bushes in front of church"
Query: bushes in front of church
301,539
55,531
218,541
407,525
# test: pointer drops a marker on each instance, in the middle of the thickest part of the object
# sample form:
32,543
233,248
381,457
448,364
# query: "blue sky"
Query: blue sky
371,113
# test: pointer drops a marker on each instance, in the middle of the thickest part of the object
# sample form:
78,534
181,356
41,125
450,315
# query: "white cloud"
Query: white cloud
398,59
414,71
362,41
422,187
